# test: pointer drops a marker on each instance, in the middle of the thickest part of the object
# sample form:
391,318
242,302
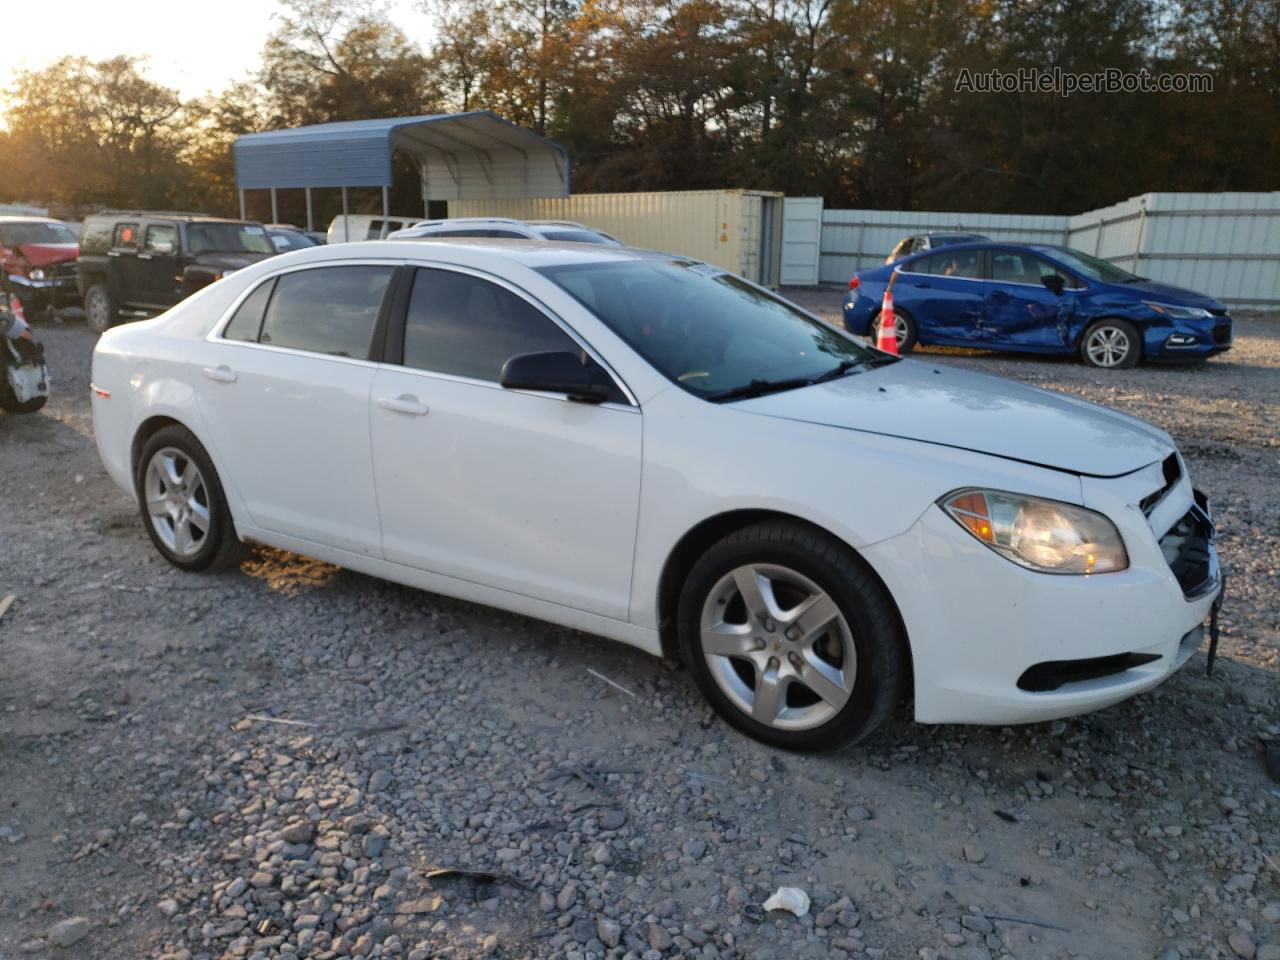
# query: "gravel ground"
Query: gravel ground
272,762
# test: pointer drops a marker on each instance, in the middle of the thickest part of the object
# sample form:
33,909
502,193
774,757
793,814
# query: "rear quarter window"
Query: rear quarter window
95,235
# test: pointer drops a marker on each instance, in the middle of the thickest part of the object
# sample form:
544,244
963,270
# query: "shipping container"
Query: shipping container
739,230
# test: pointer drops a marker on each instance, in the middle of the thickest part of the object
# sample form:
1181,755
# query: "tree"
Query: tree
86,132
333,60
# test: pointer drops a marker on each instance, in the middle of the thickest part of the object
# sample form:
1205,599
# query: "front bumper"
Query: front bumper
979,625
1187,342
57,290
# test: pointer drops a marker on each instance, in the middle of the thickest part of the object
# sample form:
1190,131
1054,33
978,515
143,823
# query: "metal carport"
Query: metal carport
459,156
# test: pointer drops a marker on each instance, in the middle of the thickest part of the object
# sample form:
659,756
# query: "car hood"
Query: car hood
1165,291
230,261
971,411
44,254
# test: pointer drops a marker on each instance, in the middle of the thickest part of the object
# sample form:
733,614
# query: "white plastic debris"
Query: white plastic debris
792,899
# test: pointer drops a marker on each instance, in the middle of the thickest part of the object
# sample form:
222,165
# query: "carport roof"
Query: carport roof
460,155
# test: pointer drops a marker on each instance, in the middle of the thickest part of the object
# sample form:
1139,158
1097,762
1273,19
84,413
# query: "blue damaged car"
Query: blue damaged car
1036,298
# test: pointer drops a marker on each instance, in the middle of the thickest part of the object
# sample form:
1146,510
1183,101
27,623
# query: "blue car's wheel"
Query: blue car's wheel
1111,345
904,329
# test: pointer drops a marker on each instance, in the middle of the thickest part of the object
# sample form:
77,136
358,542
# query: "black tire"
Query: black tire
100,308
218,546
9,403
875,630
1117,331
910,336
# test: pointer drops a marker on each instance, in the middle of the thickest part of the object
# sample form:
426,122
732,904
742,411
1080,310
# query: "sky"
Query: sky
194,47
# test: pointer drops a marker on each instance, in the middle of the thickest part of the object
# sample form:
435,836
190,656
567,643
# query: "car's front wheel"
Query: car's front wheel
1111,345
99,307
904,330
791,638
182,502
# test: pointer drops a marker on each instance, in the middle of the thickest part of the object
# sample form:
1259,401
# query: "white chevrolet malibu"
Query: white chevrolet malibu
656,451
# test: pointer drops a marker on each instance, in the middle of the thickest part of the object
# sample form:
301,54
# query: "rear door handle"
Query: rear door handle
920,283
405,403
999,295
222,374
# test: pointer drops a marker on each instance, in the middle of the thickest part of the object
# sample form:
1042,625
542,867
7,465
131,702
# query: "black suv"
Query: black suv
141,262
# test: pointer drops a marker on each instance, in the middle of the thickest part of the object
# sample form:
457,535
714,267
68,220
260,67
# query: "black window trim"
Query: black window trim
215,334
393,343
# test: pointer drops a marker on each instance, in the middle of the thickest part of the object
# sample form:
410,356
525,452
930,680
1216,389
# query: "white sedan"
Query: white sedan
656,451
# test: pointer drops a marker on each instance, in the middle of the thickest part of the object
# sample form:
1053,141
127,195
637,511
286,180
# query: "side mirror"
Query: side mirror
1054,282
556,372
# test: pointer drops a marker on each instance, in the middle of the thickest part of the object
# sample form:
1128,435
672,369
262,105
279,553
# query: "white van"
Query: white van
367,226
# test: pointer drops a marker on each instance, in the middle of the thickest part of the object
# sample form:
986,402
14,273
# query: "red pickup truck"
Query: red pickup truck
38,262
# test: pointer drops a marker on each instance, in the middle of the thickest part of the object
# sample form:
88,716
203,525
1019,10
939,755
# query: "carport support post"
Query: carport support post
346,225
386,208
275,213
310,221
242,207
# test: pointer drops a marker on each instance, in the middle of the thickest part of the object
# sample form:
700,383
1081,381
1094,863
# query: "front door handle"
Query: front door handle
920,283
222,374
405,403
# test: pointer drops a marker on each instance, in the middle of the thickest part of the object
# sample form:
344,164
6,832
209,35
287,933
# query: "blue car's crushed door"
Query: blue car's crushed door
1019,310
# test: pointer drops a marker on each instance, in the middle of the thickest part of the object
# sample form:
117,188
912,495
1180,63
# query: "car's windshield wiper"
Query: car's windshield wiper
758,388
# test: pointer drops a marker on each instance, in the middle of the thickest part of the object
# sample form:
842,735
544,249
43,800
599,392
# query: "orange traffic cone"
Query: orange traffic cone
887,337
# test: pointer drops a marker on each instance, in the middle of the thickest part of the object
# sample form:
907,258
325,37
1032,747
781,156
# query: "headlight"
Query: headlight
1178,313
36,274
1042,535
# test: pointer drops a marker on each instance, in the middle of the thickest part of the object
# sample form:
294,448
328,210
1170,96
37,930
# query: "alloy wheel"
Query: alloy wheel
177,501
1107,346
778,647
98,311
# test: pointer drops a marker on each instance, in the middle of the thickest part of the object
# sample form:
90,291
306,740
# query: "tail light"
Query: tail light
854,283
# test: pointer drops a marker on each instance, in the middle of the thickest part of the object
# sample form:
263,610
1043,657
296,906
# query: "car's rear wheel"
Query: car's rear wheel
791,638
904,328
1111,345
182,502
100,307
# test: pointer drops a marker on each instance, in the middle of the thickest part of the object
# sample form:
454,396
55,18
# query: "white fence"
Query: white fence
1226,245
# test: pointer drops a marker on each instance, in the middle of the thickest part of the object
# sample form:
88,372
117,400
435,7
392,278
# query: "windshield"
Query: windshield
712,333
13,234
291,240
228,238
1089,267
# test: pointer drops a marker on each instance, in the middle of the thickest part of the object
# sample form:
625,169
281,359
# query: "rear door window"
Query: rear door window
965,264
125,236
374,231
330,310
